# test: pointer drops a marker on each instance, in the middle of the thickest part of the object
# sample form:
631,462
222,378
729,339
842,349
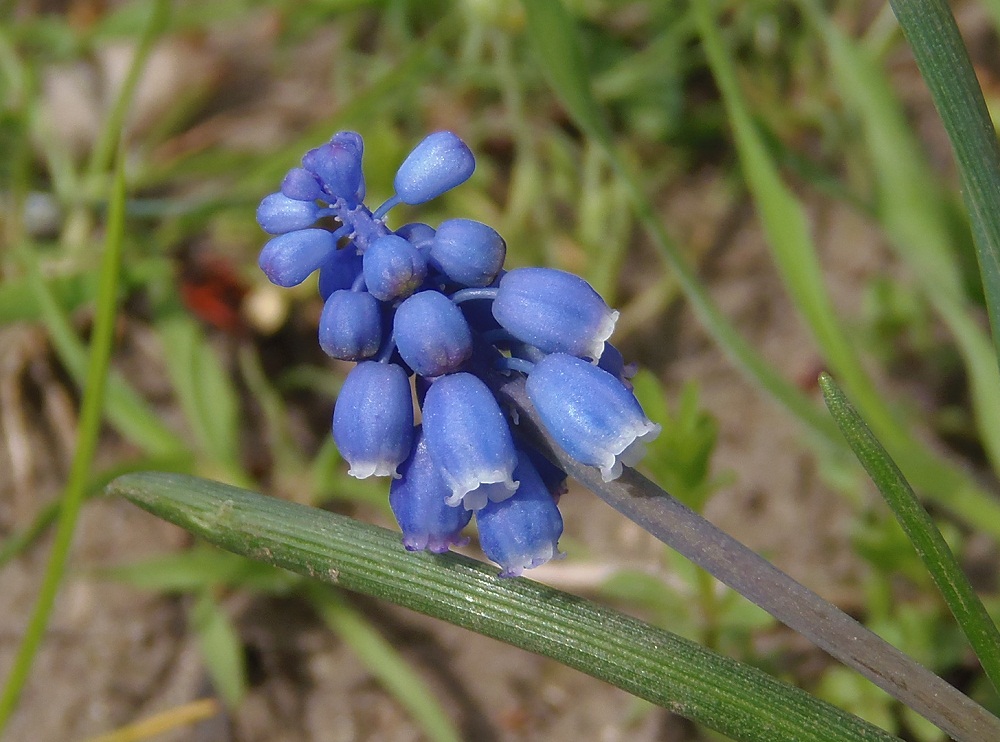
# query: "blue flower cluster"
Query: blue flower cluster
435,305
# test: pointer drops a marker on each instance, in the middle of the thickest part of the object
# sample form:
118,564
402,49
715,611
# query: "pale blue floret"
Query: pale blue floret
555,311
287,260
417,500
522,531
592,416
469,440
373,419
393,268
278,214
468,252
431,334
439,163
350,327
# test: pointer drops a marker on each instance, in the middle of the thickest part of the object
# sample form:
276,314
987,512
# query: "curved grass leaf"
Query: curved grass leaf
923,534
944,63
733,698
91,415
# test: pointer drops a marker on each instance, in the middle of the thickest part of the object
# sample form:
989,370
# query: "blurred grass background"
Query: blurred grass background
762,189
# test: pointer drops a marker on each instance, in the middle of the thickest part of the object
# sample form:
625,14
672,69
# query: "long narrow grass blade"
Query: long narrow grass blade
737,700
944,63
384,662
556,42
926,538
912,207
87,435
788,232
749,574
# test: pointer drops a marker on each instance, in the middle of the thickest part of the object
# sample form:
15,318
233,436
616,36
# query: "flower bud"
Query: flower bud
340,271
373,419
431,334
417,234
522,531
417,500
555,311
278,214
468,252
469,440
439,163
287,260
589,412
350,327
301,185
337,164
393,268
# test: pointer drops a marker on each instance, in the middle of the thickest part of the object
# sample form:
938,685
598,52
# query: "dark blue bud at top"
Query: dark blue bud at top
289,259
431,334
350,327
439,163
278,214
393,268
301,185
338,166
555,311
468,252
373,419
417,500
522,531
590,413
469,440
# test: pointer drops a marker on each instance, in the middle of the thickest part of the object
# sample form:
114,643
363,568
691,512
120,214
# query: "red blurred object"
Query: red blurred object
212,291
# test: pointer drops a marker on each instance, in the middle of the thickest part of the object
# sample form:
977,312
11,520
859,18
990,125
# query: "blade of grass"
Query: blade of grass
737,700
87,436
383,661
125,409
753,577
221,648
965,605
944,63
911,207
166,721
787,228
555,40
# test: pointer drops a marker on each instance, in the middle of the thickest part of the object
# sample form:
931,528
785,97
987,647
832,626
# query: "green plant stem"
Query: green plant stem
919,526
944,62
688,679
749,574
87,436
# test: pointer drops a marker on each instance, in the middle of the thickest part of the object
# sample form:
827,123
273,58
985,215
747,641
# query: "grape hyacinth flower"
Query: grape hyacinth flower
436,304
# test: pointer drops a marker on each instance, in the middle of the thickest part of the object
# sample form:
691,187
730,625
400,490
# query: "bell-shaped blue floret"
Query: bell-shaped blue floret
468,252
337,164
555,311
393,268
339,272
469,440
373,419
522,531
417,234
278,214
350,327
431,334
301,185
288,259
590,413
552,476
417,500
438,164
